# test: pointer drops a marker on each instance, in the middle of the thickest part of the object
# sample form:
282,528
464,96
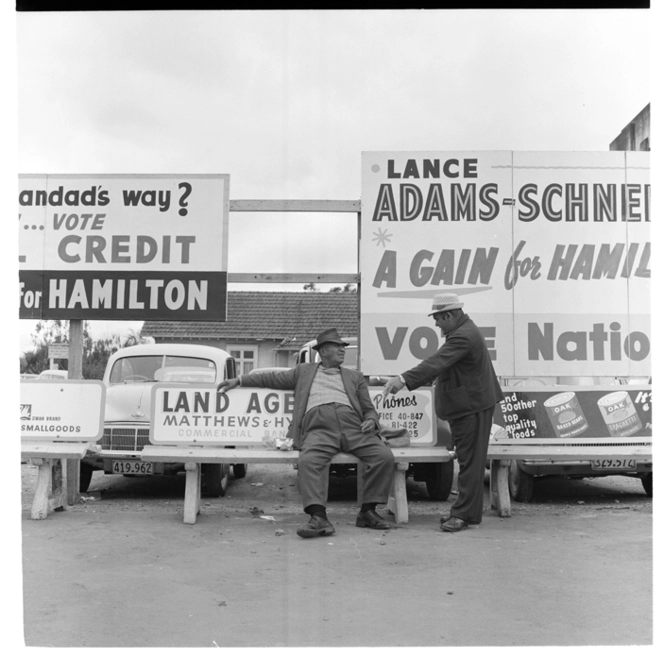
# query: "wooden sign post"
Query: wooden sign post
75,371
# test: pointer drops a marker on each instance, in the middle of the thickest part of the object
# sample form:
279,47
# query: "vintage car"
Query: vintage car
129,377
52,375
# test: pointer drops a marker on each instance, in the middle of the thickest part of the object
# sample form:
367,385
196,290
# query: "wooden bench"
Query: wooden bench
192,457
549,450
52,492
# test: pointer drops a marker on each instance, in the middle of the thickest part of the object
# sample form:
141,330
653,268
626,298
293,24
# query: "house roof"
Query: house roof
296,317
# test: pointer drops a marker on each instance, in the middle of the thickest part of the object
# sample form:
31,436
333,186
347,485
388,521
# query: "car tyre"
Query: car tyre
646,480
85,477
239,470
521,484
439,480
215,478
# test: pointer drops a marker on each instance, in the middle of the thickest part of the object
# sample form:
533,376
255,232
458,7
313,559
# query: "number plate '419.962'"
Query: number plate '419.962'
131,467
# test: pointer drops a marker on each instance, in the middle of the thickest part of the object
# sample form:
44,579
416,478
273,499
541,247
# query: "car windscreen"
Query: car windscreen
182,369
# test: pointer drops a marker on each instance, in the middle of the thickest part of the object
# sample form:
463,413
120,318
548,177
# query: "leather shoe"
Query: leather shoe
453,525
444,519
371,519
317,526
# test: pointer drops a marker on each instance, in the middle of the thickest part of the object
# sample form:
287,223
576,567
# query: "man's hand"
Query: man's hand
393,386
228,384
368,426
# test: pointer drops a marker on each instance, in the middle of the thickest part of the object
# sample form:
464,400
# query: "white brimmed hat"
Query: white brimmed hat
444,302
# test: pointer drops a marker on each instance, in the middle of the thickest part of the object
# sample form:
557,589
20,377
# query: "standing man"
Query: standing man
466,392
332,413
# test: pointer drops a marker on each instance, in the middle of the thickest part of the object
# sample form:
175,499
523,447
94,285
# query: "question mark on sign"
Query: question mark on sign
183,201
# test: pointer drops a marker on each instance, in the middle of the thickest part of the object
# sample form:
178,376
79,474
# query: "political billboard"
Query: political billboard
548,251
126,247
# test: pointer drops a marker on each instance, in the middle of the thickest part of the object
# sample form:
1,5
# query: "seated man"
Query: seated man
332,413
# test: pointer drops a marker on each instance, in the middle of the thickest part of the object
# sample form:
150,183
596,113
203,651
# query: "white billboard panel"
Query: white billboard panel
123,246
69,411
548,251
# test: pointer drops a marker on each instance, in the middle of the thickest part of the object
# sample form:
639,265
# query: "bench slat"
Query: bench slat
168,454
54,450
192,457
565,452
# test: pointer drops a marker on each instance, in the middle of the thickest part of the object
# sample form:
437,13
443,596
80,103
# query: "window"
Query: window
245,358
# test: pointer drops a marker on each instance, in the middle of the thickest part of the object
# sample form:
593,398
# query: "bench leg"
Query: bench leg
192,492
361,469
499,487
493,490
50,492
397,502
73,481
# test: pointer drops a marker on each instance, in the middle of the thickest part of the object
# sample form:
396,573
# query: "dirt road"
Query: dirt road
122,570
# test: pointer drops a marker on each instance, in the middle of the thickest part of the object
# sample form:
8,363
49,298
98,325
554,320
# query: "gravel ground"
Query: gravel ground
121,569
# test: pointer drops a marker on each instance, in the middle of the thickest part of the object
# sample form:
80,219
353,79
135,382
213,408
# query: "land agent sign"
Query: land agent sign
124,247
262,416
549,252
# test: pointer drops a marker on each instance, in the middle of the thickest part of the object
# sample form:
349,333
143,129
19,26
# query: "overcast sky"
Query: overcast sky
285,102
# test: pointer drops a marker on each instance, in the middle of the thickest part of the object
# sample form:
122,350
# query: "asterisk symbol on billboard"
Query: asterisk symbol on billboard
381,237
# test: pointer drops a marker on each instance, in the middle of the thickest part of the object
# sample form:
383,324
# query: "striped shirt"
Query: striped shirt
327,388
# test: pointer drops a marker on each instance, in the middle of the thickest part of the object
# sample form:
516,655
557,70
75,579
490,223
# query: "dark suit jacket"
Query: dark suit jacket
465,379
300,379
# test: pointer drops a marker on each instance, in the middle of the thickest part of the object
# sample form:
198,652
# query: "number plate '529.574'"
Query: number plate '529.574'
614,464
131,467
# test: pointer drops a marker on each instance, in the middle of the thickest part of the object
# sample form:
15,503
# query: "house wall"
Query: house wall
269,353
635,136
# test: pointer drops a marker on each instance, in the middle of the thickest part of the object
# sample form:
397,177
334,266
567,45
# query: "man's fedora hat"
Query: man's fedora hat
444,302
330,335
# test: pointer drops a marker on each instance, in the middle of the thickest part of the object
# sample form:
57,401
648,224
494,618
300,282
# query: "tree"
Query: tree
48,332
310,287
52,331
95,352
35,361
349,288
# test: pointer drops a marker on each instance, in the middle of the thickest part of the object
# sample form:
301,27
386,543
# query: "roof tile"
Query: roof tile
269,315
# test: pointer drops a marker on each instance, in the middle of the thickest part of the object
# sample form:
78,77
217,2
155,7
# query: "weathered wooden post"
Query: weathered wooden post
75,371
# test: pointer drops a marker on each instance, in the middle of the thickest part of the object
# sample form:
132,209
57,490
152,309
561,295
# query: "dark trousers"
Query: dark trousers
470,434
332,428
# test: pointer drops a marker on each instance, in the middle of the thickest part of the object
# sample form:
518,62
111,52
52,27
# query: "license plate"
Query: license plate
613,464
131,467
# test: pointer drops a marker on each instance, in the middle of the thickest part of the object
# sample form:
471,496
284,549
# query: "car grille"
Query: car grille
130,439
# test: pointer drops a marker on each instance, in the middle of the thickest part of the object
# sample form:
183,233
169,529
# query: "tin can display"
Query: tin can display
566,414
619,414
